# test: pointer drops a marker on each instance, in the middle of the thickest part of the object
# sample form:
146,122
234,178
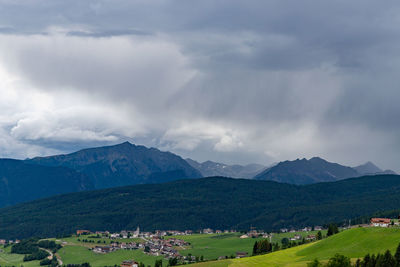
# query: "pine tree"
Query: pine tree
255,248
314,263
397,255
319,235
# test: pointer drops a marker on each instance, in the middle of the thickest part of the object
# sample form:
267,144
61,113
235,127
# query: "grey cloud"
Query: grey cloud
271,79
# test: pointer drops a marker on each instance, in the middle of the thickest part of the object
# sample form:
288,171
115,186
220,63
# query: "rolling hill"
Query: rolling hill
123,164
21,181
219,203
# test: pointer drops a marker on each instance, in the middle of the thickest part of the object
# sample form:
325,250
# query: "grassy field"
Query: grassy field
103,241
79,254
8,259
212,246
353,243
278,237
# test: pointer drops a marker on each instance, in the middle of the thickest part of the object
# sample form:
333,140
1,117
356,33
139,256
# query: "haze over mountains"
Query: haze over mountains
210,168
315,170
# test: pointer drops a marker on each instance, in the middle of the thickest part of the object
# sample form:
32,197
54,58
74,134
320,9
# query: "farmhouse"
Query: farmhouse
82,232
241,254
129,263
380,222
311,237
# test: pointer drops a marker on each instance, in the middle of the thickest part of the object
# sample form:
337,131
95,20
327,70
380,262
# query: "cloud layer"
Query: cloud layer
232,81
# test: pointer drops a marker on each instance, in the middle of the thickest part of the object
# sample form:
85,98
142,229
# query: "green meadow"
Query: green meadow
77,254
212,246
354,243
8,259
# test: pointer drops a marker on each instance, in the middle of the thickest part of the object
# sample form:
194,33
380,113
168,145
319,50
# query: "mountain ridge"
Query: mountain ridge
210,168
123,164
314,170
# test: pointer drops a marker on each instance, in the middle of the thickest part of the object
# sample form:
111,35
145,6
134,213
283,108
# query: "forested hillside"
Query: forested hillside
219,203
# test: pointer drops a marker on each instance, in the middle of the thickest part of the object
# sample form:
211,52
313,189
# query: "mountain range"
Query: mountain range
210,168
129,164
218,203
315,170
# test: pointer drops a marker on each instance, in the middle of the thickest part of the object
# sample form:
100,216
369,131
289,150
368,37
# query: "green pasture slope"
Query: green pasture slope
212,246
8,259
354,243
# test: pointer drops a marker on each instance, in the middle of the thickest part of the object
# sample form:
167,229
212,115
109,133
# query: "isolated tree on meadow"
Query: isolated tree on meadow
285,241
339,261
319,235
314,263
332,229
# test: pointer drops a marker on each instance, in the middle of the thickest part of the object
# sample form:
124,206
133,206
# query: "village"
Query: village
168,244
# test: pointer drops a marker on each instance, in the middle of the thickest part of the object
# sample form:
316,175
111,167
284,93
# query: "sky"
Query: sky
224,80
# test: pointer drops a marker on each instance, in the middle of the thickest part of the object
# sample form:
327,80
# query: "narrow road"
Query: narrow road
60,263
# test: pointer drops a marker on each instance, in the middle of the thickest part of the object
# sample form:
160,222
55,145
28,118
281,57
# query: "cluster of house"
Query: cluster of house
305,229
384,222
116,246
4,241
299,237
157,246
211,231
138,234
129,263
255,234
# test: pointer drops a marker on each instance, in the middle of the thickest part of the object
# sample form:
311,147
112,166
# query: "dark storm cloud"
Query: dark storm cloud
273,79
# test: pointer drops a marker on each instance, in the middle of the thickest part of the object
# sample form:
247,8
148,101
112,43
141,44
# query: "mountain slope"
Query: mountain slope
219,203
210,168
21,182
123,164
307,172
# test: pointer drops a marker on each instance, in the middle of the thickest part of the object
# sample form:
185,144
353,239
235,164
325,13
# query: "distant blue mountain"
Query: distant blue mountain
315,170
210,168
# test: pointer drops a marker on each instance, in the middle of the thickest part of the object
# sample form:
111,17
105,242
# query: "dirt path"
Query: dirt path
60,263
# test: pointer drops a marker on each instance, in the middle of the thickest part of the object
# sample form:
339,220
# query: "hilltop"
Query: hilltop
219,203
